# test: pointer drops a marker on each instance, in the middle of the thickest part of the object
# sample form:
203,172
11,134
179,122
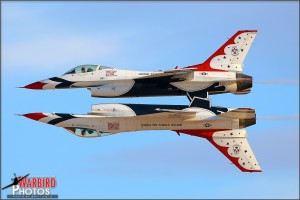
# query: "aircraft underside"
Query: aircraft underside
140,89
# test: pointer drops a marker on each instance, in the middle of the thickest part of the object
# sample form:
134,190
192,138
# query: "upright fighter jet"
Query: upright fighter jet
220,73
223,127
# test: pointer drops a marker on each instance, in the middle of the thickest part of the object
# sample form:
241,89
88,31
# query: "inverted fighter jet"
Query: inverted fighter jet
223,127
220,73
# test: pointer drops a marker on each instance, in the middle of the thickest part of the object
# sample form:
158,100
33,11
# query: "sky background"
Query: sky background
46,39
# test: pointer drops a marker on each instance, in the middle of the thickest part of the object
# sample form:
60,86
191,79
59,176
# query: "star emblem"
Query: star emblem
234,51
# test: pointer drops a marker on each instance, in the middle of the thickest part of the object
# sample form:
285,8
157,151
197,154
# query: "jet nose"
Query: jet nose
35,86
47,84
35,116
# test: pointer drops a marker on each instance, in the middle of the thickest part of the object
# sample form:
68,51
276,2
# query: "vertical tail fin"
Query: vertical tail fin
233,144
230,56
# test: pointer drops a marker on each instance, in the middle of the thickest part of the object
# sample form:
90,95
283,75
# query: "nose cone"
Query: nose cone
35,116
50,84
35,86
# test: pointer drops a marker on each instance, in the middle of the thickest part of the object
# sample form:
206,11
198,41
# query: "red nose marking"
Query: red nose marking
35,86
35,116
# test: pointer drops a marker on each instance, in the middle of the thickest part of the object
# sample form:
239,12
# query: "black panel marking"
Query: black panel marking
62,82
144,109
200,103
63,117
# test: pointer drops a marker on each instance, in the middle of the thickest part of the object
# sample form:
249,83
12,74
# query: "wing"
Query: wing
218,79
169,113
176,111
8,186
170,75
233,144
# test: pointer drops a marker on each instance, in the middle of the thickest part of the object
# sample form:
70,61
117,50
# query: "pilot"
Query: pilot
83,132
83,70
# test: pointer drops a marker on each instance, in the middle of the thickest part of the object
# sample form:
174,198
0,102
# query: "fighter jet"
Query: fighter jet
220,73
223,127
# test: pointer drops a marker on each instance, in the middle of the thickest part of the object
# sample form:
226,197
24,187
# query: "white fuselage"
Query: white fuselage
116,82
204,119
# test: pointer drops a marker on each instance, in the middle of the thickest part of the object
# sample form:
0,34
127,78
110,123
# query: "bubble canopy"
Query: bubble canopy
87,132
86,69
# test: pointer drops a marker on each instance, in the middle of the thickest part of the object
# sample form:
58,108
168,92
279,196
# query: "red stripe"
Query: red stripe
201,133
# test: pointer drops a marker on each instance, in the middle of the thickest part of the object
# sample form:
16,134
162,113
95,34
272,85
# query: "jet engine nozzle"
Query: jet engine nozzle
248,117
244,83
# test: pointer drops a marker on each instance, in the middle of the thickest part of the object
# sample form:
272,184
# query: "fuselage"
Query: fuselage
112,82
220,73
115,118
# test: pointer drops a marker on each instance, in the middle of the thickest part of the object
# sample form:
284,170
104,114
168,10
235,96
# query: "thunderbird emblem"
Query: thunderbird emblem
234,51
236,148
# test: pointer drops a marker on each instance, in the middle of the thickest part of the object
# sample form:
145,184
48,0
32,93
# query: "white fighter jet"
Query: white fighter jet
220,73
223,127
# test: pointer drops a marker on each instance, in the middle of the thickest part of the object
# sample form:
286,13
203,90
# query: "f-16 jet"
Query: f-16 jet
222,127
220,73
